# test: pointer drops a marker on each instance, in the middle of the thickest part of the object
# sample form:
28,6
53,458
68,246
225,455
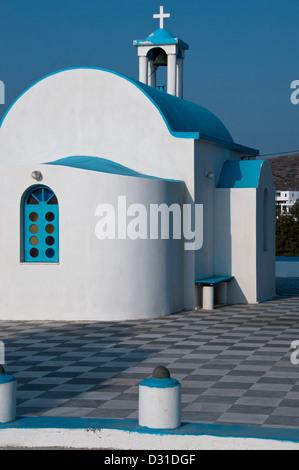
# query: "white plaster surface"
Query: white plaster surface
160,407
94,279
96,113
125,440
8,400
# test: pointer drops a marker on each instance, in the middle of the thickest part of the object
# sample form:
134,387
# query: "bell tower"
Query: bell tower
162,49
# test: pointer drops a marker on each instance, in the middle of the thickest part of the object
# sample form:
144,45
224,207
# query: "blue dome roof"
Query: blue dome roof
186,119
161,35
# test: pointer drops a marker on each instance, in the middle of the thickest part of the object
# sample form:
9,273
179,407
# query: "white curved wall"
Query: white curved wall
97,113
94,280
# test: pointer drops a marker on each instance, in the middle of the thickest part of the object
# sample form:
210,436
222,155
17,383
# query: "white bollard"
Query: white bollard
8,397
208,298
160,401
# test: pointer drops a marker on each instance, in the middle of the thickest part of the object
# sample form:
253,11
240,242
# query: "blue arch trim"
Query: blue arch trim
183,119
240,174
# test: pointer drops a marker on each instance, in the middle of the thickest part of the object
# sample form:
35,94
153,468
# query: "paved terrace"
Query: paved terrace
233,363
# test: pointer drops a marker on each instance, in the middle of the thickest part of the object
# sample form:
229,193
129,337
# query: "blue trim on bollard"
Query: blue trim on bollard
160,383
6,378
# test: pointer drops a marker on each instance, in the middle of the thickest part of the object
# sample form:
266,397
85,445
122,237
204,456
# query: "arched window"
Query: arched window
41,226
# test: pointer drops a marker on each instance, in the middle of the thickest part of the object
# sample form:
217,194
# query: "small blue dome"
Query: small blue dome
160,37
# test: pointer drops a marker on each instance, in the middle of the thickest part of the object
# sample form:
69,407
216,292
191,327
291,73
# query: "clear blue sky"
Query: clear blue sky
243,54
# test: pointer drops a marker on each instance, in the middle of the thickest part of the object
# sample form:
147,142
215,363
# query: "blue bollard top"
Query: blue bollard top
160,383
160,379
6,378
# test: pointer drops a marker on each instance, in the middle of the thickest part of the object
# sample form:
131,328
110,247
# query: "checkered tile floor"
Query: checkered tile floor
233,363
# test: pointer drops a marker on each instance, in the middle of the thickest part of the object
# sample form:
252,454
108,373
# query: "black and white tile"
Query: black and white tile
233,363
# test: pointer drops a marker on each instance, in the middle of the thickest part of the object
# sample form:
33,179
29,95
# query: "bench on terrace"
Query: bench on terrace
208,285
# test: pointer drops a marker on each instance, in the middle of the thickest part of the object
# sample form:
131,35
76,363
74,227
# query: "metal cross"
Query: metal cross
161,16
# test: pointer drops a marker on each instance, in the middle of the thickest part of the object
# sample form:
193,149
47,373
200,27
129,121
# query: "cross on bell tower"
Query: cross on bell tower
162,48
161,16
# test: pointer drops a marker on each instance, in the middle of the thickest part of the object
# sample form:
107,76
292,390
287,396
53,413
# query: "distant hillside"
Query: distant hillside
285,172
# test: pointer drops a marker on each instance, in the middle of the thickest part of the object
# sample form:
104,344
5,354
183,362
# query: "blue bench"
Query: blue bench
208,285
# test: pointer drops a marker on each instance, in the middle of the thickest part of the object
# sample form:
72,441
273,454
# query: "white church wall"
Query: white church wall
235,241
245,239
101,114
265,254
96,113
94,279
209,159
243,245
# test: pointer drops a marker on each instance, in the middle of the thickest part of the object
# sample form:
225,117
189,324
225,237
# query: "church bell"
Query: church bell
161,60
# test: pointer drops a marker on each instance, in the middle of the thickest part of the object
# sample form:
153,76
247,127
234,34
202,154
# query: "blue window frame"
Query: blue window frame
41,226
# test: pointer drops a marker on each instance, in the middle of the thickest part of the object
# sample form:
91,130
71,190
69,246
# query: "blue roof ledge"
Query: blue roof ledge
184,119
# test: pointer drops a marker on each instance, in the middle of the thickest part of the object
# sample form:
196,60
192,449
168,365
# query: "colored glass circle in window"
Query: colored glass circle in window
34,252
50,216
50,252
49,228
34,240
33,228
33,216
50,241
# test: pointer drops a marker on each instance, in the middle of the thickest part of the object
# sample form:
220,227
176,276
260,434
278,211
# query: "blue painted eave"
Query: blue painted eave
95,164
101,165
240,174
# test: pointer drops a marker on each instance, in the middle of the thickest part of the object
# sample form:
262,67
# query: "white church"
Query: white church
86,154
